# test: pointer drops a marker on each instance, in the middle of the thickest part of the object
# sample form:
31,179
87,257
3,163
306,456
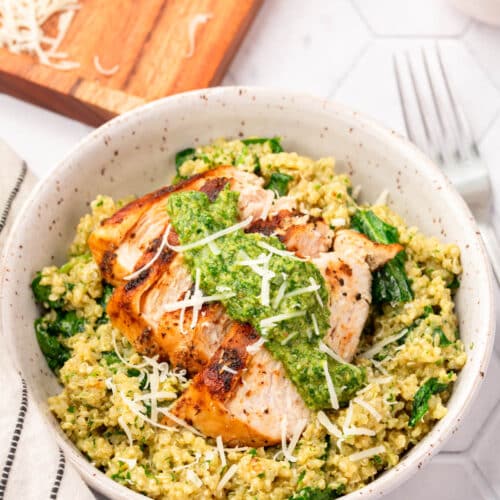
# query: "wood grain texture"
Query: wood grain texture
148,39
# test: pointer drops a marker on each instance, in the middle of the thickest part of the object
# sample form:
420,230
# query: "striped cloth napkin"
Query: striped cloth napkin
33,465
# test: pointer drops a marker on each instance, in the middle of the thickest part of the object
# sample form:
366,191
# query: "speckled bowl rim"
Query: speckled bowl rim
416,458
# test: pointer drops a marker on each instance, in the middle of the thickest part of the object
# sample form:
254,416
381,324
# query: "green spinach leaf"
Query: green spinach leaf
421,399
181,157
443,339
110,357
66,324
54,351
42,293
278,182
390,283
274,143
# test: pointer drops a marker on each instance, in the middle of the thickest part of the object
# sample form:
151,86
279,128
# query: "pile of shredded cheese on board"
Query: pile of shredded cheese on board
21,29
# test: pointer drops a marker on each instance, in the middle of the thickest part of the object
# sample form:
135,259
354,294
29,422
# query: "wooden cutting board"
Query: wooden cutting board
148,39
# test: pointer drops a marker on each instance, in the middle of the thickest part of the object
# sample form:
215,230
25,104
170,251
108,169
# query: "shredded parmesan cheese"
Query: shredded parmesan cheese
135,274
197,457
383,380
272,320
370,452
318,297
328,424
253,348
227,477
126,430
303,290
193,478
356,191
277,251
120,357
299,429
382,198
260,266
315,324
220,449
324,348
348,418
281,292
138,413
331,388
228,370
369,408
379,367
156,395
339,222
193,301
208,239
179,421
288,338
21,29
359,431
105,71
193,26
376,348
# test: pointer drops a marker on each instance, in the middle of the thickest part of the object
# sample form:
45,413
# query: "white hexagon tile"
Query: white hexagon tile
344,50
411,18
301,46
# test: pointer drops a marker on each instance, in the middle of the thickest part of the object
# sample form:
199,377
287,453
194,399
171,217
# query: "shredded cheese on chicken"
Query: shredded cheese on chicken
207,239
324,348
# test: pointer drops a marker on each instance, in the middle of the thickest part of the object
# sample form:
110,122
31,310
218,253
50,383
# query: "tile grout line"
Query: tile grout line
363,18
362,52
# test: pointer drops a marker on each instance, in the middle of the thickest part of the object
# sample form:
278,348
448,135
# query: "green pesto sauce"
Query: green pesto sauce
194,217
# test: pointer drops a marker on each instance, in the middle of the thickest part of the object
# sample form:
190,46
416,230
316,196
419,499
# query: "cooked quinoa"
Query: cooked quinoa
101,375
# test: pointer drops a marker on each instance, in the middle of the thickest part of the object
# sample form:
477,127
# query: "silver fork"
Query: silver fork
441,129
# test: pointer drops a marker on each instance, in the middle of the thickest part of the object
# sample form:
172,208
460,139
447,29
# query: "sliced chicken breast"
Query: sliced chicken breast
122,240
299,233
348,274
137,309
241,397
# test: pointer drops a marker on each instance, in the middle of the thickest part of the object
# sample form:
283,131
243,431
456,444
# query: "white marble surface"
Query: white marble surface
343,49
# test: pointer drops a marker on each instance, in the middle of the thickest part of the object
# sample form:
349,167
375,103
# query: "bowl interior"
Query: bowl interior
134,154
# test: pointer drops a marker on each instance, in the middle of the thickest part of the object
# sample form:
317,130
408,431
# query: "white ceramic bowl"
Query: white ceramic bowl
134,154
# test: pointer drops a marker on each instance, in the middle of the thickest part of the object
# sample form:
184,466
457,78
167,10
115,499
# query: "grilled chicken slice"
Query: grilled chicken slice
299,233
136,309
122,240
348,274
241,397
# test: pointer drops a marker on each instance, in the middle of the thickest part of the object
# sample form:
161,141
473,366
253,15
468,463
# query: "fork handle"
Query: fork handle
492,246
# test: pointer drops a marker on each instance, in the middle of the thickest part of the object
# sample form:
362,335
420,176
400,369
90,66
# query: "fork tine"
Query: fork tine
399,82
461,123
433,91
431,143
446,132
